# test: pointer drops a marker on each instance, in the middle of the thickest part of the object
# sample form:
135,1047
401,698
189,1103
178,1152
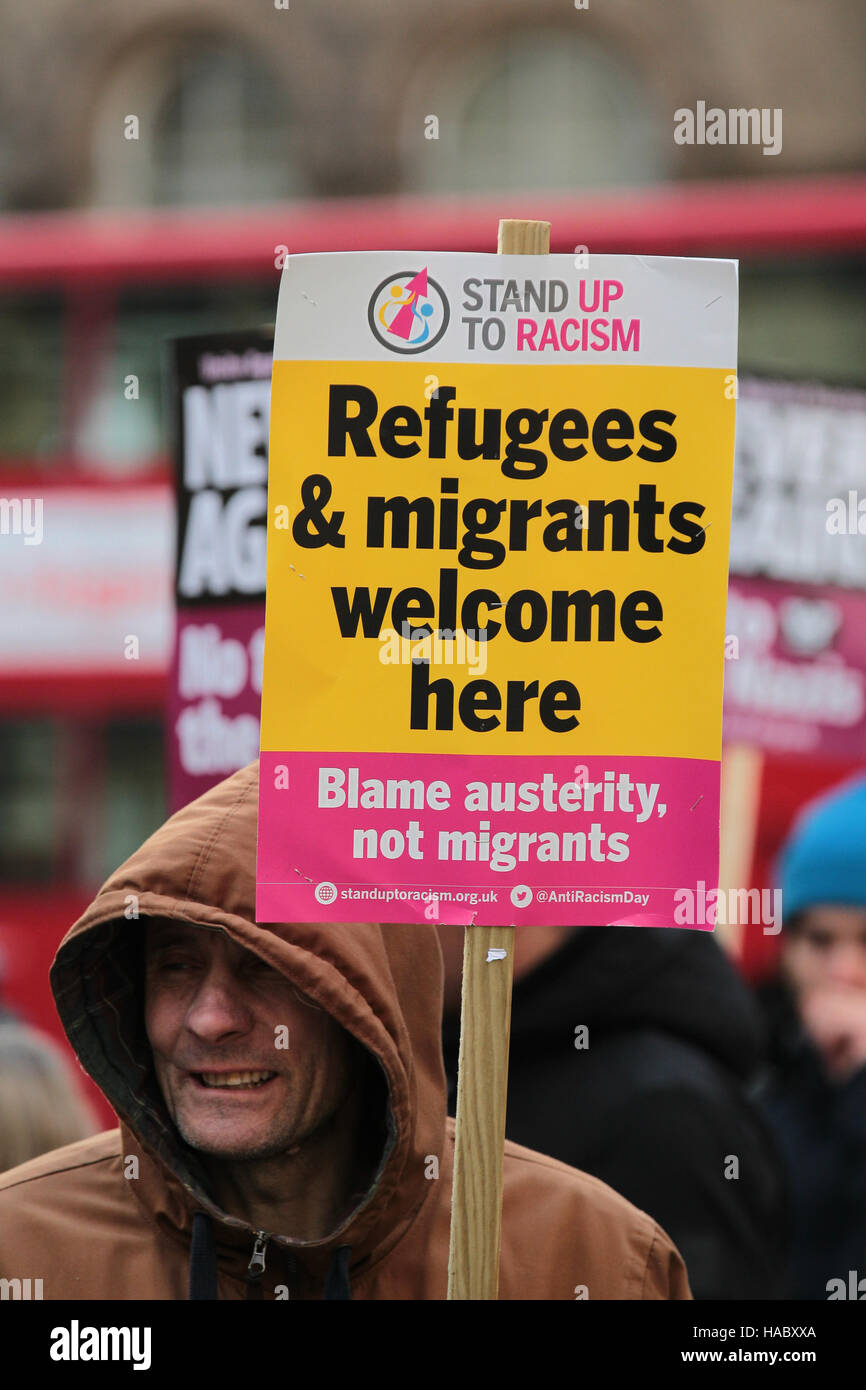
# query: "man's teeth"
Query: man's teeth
235,1078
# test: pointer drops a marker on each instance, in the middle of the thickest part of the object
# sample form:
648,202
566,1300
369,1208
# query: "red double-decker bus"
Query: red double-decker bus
86,303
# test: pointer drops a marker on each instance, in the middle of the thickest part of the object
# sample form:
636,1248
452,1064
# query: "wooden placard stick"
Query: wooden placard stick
485,1029
742,771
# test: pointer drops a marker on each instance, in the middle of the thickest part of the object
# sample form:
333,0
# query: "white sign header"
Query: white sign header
518,310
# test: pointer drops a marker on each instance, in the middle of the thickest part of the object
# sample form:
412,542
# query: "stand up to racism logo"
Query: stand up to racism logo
408,312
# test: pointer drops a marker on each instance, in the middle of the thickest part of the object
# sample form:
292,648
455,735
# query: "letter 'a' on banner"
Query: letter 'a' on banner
499,506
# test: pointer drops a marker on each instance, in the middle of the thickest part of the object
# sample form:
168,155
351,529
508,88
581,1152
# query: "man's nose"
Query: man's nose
218,1009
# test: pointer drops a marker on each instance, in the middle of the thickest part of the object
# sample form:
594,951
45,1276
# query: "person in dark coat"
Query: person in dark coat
632,1051
815,1096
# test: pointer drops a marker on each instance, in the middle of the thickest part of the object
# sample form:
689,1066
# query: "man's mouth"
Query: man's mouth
230,1080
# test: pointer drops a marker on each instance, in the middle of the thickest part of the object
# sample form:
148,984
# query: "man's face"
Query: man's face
828,950
214,1013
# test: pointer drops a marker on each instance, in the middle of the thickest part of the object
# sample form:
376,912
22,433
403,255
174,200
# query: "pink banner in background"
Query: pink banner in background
215,696
795,668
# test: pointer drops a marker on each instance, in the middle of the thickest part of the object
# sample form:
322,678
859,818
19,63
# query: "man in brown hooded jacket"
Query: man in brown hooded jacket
160,1208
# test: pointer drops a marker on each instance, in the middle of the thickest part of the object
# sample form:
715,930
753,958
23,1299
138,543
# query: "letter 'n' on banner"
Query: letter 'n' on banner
494,637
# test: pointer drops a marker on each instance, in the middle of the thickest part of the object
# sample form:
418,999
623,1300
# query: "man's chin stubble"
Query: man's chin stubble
226,1153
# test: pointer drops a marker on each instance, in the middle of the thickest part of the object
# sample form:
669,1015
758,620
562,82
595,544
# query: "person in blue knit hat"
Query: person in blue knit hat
815,1099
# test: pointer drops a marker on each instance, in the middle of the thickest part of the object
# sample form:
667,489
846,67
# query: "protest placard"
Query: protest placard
795,678
795,681
219,387
499,512
799,506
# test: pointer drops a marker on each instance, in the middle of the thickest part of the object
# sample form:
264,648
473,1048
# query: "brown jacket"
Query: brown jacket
91,1223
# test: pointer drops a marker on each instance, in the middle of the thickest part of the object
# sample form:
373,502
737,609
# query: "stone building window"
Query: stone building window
201,123
534,110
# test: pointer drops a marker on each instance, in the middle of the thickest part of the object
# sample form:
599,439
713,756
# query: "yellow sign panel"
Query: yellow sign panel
546,543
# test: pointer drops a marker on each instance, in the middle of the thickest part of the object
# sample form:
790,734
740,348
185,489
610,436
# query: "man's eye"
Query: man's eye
261,967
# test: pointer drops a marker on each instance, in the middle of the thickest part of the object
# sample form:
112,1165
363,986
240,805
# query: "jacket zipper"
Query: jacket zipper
256,1266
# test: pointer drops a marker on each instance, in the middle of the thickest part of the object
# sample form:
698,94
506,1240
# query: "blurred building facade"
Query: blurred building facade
323,98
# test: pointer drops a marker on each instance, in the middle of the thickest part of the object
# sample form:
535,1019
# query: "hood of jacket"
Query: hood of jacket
383,986
670,979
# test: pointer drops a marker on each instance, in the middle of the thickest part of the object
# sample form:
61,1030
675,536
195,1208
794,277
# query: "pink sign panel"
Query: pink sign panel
479,839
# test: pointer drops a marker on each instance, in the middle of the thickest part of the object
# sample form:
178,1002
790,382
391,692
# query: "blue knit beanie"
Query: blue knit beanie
824,857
